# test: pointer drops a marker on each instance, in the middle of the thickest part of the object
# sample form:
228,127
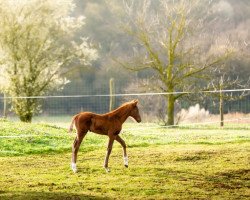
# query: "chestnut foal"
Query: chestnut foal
109,124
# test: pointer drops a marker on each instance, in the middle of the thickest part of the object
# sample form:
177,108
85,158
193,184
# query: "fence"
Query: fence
193,108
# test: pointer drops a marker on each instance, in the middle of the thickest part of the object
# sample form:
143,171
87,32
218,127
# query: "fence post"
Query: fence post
111,93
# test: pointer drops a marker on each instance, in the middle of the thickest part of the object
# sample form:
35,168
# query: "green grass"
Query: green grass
186,163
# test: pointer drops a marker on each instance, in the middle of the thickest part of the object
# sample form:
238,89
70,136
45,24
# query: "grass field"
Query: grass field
186,163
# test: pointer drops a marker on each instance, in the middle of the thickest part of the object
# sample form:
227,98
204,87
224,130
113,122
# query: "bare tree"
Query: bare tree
223,81
172,42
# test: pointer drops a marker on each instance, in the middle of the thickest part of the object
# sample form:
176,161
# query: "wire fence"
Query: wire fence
194,108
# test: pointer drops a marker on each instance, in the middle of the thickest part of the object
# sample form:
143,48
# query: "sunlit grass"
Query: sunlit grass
18,138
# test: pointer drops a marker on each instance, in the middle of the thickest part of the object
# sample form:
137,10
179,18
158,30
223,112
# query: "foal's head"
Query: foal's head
135,111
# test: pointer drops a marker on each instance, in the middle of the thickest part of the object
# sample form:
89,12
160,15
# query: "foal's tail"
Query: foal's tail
72,124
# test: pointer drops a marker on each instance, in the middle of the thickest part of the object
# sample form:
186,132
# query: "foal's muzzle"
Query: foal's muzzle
138,119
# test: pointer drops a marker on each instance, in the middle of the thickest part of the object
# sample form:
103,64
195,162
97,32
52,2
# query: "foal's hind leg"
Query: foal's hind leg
123,144
75,149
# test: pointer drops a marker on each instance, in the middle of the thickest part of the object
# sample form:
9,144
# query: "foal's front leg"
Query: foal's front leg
109,149
123,144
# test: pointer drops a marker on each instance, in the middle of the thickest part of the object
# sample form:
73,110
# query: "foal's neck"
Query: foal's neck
122,113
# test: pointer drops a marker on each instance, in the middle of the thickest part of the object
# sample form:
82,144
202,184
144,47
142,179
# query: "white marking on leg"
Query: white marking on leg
73,167
125,161
107,169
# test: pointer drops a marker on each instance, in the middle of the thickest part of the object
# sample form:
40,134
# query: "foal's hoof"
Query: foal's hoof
107,169
125,161
74,170
73,167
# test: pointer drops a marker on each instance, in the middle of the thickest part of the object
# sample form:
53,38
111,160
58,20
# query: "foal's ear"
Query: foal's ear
135,101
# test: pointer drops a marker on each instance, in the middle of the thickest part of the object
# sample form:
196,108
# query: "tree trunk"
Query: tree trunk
170,110
26,117
25,108
5,106
221,110
221,102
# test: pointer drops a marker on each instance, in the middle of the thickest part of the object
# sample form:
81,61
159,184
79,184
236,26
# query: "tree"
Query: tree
172,41
233,74
224,80
37,49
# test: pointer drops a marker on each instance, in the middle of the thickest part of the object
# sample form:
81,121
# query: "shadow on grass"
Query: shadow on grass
233,179
33,195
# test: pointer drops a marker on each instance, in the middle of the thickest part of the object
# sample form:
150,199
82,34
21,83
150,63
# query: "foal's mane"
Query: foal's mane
122,108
